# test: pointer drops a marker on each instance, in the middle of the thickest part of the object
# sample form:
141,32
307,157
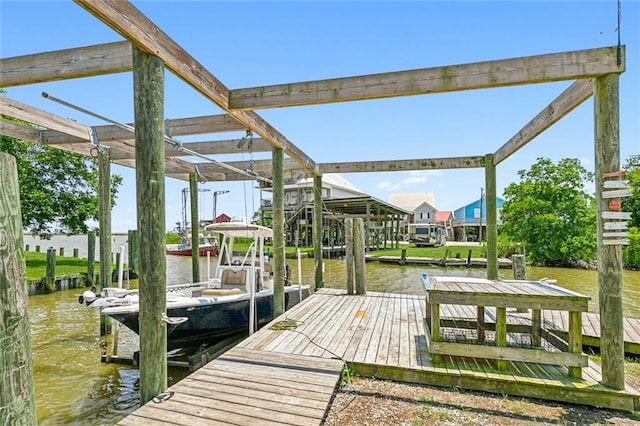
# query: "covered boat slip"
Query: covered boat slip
380,335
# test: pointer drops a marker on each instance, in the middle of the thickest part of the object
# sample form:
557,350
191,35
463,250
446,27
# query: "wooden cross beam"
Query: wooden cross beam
572,65
402,165
577,93
128,21
65,64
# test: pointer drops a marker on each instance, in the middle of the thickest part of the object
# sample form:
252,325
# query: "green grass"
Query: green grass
37,265
435,252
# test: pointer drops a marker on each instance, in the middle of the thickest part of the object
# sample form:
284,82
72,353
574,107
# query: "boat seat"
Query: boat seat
221,291
234,277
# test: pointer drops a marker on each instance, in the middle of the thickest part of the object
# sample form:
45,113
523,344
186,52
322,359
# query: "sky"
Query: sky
248,44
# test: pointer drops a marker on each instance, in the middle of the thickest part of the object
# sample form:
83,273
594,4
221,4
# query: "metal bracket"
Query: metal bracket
41,136
95,141
202,178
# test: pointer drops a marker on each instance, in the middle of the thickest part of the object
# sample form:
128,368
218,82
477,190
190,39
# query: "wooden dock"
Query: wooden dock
247,386
475,262
288,375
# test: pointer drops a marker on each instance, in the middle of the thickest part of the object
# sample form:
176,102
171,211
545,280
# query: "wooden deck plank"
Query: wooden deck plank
369,351
382,353
342,325
404,344
354,331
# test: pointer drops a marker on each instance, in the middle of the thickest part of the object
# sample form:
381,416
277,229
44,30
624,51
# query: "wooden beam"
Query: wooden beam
177,127
479,75
66,64
402,165
491,207
576,94
259,166
317,231
18,131
278,232
221,147
18,110
128,21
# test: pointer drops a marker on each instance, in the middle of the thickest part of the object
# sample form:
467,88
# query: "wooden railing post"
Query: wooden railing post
348,231
195,228
359,251
317,230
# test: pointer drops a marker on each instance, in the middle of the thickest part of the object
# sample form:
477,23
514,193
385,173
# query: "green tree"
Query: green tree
632,204
549,212
58,189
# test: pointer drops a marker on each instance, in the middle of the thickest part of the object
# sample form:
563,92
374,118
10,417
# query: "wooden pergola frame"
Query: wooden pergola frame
595,72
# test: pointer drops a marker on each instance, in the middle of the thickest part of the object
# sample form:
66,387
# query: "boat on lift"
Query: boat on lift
207,244
239,297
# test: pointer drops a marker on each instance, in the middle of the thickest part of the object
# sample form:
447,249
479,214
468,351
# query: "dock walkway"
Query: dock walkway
288,375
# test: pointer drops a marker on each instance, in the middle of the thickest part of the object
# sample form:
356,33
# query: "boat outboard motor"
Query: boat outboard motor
87,297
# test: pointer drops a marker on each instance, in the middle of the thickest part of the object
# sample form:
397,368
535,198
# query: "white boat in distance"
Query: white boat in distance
240,294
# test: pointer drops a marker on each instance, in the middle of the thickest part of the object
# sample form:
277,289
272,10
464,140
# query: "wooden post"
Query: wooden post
443,261
492,217
148,89
104,195
61,251
51,270
277,156
358,254
607,159
91,257
403,256
501,333
26,248
195,228
367,230
397,231
75,252
134,251
37,249
317,230
519,266
348,231
469,257
17,399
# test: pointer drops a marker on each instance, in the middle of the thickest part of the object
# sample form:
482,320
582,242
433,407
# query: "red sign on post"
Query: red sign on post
615,205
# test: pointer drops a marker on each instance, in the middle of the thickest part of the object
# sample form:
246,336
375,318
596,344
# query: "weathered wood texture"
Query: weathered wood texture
317,231
17,398
492,217
104,216
577,93
402,165
18,131
277,157
133,25
383,335
65,64
133,241
148,88
29,114
348,239
248,386
195,228
607,159
221,147
358,255
50,277
505,72
91,257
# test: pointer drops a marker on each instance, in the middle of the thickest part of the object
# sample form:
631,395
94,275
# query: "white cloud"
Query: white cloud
384,184
415,180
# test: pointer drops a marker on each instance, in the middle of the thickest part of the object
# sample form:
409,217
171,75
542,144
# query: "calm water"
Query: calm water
74,387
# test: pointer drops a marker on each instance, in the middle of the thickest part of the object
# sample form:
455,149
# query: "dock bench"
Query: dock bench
503,294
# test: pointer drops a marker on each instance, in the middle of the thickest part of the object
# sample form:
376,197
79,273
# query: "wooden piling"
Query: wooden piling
17,399
75,252
348,231
403,256
133,252
358,254
443,261
317,230
469,257
195,228
492,217
148,85
519,266
50,277
61,251
607,159
277,156
104,195
26,248
91,257
37,249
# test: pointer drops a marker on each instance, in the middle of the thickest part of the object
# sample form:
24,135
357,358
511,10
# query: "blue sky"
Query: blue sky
246,44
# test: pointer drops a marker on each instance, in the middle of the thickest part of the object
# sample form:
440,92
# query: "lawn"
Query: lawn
37,265
434,252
